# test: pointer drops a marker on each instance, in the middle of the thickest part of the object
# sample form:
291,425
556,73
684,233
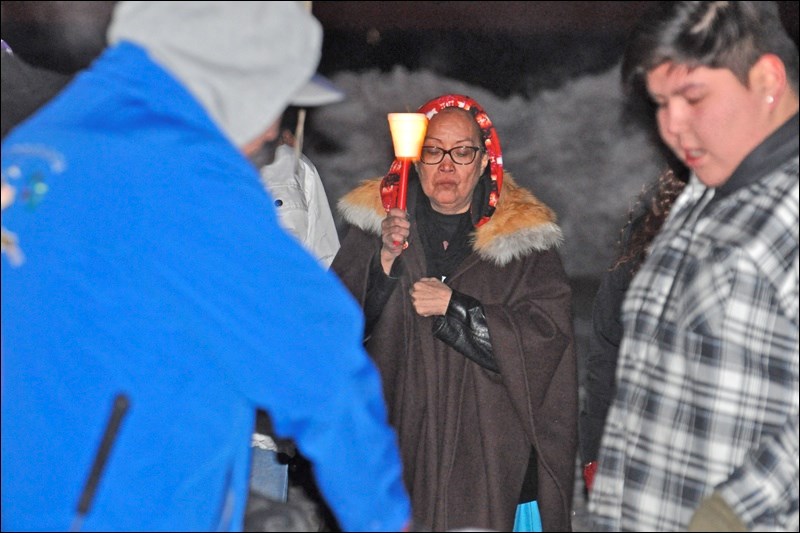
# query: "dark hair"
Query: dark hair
731,35
648,215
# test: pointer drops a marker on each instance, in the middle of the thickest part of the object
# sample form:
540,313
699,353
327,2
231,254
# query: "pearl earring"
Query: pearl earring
770,99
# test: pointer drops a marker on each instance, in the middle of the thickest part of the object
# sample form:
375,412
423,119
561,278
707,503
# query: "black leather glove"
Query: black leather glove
464,328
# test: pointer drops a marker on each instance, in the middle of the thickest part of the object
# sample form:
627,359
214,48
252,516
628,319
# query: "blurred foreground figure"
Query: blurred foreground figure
703,430
157,273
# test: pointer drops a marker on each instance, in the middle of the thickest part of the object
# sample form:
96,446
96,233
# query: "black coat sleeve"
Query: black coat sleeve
379,288
601,360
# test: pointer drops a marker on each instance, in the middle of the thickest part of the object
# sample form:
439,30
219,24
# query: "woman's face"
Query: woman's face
448,185
708,118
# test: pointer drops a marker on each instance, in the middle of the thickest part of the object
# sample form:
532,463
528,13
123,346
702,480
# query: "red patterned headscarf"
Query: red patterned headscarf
494,179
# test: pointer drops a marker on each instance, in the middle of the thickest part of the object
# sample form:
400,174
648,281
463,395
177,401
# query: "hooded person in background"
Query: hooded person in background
468,318
294,183
157,277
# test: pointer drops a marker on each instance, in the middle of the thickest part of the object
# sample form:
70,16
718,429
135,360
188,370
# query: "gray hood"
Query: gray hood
243,61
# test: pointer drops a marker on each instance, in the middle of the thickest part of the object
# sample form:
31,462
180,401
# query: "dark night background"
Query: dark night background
507,47
546,72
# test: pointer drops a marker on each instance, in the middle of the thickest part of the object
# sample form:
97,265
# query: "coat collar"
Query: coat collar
521,224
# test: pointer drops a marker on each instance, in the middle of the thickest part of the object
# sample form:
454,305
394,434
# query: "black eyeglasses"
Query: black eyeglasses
461,155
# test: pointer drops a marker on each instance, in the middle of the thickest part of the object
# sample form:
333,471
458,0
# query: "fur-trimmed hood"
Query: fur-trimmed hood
520,225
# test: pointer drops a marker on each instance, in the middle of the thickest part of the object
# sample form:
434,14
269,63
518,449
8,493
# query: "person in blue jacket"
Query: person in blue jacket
157,285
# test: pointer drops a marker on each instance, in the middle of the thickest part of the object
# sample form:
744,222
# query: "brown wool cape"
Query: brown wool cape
465,433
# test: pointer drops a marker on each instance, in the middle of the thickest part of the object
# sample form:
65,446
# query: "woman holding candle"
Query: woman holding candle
468,318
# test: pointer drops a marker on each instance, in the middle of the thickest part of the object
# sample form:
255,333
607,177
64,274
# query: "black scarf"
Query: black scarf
445,238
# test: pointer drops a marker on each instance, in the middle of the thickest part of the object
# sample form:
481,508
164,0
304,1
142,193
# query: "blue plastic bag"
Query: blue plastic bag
527,517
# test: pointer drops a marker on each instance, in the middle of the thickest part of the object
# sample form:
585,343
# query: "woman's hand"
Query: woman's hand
395,229
430,297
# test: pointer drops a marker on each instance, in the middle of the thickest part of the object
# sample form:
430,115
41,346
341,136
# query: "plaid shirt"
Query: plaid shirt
707,380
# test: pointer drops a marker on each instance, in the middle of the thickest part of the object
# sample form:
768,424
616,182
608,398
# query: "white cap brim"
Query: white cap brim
318,91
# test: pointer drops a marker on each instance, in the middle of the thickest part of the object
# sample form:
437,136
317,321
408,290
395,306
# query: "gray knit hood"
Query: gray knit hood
243,61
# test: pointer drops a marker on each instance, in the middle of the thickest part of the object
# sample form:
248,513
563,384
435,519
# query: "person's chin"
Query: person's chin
711,177
448,206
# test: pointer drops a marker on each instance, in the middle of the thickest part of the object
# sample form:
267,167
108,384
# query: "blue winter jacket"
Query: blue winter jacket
155,268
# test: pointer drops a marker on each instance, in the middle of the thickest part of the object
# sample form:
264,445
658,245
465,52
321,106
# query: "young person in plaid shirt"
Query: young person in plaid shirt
703,431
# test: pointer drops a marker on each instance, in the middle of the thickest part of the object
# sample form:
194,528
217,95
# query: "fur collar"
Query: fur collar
521,224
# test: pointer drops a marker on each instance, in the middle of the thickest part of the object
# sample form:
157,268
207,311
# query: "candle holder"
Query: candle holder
408,134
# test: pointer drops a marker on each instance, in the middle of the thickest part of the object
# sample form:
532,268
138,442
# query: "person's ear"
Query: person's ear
288,138
768,78
484,162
